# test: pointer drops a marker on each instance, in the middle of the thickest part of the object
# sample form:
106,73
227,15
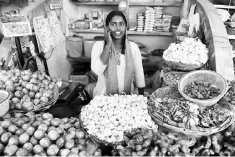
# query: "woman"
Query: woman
117,61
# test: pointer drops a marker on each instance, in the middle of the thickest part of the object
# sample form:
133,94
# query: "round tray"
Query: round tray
175,75
196,133
94,138
159,119
181,66
46,105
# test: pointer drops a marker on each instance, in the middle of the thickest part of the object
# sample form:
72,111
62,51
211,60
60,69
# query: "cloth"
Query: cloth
99,69
111,71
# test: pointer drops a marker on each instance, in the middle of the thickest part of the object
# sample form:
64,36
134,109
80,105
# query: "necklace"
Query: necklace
117,56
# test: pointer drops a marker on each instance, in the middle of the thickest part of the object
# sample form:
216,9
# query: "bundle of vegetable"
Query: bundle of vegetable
187,115
30,91
41,135
190,51
107,117
145,142
230,95
219,144
201,90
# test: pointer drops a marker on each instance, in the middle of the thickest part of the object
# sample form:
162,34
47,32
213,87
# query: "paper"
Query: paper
48,31
15,25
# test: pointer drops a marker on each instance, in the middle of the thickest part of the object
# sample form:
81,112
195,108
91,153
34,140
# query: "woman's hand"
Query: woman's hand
107,35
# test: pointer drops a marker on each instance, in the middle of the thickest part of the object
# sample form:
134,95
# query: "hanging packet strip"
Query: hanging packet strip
48,31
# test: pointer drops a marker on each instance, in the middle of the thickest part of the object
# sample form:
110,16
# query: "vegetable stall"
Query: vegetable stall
192,113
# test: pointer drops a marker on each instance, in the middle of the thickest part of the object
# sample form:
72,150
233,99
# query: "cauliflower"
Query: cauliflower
107,117
189,51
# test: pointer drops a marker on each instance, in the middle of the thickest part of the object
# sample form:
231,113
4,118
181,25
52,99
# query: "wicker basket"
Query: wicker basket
175,77
181,66
46,105
165,92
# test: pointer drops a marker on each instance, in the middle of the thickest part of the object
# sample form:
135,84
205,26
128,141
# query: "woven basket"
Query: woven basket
165,92
160,120
181,66
46,105
175,75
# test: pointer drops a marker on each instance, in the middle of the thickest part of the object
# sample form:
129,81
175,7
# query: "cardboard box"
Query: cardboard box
82,79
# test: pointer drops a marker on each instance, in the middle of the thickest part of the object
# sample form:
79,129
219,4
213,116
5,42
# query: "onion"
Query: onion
34,75
35,88
29,86
27,105
9,82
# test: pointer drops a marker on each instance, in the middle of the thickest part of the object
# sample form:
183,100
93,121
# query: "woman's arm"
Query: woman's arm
97,64
139,71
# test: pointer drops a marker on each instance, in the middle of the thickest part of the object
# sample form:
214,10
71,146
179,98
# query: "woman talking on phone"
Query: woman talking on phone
116,60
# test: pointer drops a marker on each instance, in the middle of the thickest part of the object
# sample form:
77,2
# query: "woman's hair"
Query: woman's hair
115,13
109,18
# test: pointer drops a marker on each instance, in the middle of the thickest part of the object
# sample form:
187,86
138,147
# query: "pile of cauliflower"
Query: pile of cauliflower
189,51
107,117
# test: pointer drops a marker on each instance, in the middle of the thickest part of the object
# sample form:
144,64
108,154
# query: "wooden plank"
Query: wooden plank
32,5
224,6
165,4
95,3
101,31
216,38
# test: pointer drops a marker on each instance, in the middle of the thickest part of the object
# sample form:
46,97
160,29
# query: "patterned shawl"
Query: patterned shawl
111,71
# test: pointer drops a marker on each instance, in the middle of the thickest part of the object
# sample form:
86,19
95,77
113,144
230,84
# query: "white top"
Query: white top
98,68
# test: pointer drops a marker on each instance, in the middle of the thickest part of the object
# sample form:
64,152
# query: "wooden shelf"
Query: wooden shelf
101,31
172,4
96,3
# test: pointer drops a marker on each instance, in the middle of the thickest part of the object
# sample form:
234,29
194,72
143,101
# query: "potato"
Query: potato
19,88
15,100
28,146
80,134
5,124
36,124
30,130
75,150
82,153
43,127
69,144
35,88
14,140
44,99
65,120
24,138
53,135
10,150
25,126
27,105
1,148
64,152
5,137
1,131
22,152
45,142
25,91
19,94
18,106
31,94
60,142
82,141
33,140
36,101
60,130
12,128
53,150
47,116
37,149
39,134
138,147
55,122
67,126
19,132
77,125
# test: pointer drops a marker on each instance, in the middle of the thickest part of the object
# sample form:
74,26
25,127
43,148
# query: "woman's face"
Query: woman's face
118,27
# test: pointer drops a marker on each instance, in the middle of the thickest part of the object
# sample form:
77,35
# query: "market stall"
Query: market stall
190,114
